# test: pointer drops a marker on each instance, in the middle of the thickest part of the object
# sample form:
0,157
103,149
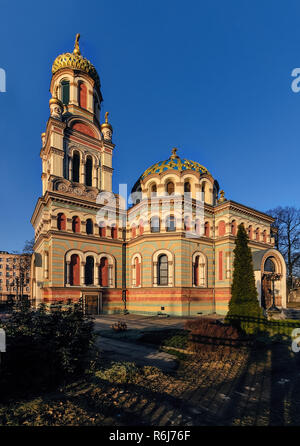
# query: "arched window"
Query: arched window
221,228
75,270
61,222
199,270
141,227
187,223
206,229
114,231
65,92
170,223
103,272
170,188
233,227
133,231
82,95
250,232
257,234
162,270
196,271
203,191
187,187
265,236
88,171
153,190
269,265
155,224
89,270
136,271
89,226
102,229
75,224
198,227
76,165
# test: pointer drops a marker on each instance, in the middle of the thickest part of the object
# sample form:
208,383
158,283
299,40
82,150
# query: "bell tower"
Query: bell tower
74,120
76,158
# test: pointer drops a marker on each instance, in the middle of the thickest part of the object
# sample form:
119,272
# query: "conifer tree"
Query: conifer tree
244,299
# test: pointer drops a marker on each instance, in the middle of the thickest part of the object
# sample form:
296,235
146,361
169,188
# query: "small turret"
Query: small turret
106,129
56,106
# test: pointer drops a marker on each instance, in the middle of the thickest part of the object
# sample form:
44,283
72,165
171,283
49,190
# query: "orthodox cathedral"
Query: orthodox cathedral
170,252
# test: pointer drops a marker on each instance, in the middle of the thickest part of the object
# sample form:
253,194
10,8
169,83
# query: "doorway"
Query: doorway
266,295
93,303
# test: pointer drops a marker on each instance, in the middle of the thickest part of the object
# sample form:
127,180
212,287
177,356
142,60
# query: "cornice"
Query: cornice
107,168
233,205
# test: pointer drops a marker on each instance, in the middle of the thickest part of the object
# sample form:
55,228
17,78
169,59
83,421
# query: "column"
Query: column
110,276
170,272
46,265
82,171
96,274
82,273
70,168
228,265
155,273
133,275
202,274
68,266
94,176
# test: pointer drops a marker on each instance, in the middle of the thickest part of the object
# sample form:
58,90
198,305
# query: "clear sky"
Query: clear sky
212,78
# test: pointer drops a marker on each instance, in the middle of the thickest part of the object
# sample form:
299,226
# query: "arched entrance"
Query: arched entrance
269,268
270,292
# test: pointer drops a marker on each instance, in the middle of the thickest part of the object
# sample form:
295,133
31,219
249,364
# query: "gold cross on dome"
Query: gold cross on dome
174,150
76,46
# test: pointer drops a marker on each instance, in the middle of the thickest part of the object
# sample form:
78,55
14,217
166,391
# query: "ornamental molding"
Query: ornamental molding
78,190
108,169
81,148
59,152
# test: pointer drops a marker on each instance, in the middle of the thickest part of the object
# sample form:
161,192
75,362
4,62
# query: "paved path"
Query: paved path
125,349
128,351
137,322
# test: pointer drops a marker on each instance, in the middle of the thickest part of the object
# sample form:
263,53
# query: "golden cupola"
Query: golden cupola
76,61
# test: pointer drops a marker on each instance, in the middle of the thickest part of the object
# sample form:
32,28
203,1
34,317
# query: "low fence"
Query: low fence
271,326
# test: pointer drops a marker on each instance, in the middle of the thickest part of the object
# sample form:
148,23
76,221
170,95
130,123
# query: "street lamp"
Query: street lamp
274,277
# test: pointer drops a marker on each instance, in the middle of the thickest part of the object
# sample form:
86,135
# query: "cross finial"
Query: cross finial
106,117
222,197
76,46
174,150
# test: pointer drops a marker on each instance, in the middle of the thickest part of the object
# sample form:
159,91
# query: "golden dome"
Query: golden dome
77,62
106,124
174,163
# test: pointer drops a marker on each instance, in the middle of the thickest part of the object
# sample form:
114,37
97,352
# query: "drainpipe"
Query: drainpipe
124,245
214,268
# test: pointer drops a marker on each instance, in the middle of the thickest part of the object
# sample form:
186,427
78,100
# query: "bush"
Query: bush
119,326
208,335
119,372
44,349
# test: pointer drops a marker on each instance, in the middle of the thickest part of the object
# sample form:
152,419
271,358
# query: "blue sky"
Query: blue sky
211,78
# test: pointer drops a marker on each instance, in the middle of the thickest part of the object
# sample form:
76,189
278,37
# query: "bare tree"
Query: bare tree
28,246
287,220
22,279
